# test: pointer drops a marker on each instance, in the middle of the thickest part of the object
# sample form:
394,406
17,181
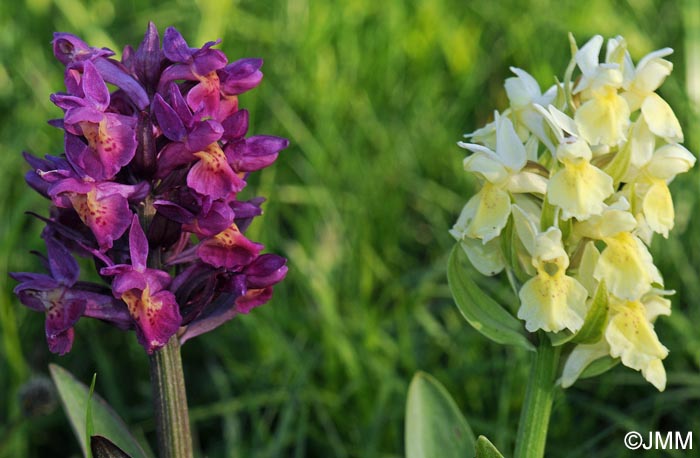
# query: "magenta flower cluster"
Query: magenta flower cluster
147,186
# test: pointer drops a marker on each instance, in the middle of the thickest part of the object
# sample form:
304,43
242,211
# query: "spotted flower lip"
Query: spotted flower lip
147,185
153,308
103,206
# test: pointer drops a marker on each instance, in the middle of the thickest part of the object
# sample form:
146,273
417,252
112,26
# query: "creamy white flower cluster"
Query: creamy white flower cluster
574,184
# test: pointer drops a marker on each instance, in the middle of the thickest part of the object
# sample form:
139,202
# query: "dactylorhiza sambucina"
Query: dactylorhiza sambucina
574,184
148,186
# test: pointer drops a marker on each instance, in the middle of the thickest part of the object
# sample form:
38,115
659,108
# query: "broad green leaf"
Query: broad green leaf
485,449
596,318
599,366
434,425
481,311
104,448
74,397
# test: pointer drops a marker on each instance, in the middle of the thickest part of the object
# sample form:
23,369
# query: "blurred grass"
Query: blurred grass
373,96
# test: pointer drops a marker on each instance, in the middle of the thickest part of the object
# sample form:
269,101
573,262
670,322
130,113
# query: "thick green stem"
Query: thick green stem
170,402
534,418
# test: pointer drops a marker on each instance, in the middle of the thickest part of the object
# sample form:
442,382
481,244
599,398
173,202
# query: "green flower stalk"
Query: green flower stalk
574,183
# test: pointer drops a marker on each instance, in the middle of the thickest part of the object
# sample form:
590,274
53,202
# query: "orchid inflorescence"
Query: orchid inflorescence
574,185
147,186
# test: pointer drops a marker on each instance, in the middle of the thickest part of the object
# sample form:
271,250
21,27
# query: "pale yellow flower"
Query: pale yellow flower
632,338
578,188
524,94
640,84
627,267
486,257
650,185
552,301
486,213
603,117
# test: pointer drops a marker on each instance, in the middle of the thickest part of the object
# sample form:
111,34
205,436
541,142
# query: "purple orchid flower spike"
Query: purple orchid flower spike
153,308
169,146
63,300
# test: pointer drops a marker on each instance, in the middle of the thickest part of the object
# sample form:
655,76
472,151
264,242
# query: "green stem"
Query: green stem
170,402
534,418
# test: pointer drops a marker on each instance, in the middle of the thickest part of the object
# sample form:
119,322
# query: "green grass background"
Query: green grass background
373,96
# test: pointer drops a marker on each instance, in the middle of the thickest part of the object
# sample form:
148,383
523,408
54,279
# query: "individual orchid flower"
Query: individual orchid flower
552,301
603,116
486,214
640,86
152,307
111,139
64,299
625,263
631,337
524,95
578,188
102,206
650,186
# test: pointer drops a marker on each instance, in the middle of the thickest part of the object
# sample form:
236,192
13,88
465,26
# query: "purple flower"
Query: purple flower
195,142
153,308
102,206
229,248
110,138
222,295
63,300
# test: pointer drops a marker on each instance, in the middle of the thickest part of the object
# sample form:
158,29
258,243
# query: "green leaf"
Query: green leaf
485,449
74,397
596,318
434,425
599,366
104,448
481,311
89,425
